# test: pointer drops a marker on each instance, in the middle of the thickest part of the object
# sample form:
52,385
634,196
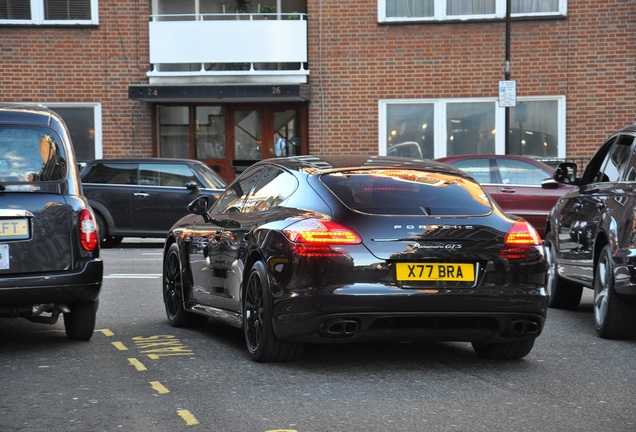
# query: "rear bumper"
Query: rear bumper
407,315
59,288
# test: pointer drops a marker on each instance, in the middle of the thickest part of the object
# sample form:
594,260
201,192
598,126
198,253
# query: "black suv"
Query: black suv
592,237
144,197
49,248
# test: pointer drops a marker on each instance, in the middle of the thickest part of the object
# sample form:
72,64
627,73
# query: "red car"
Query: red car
519,184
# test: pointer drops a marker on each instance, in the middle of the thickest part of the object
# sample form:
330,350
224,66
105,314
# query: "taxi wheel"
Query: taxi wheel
613,317
262,343
173,293
105,240
79,324
504,351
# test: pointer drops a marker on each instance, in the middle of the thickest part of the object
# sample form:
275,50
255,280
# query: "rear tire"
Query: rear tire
106,241
79,324
262,343
504,351
563,294
173,287
614,318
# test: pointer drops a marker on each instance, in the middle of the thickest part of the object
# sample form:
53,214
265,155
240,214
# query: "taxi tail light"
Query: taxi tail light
88,230
521,241
313,237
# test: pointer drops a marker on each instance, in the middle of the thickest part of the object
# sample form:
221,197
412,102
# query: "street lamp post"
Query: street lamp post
507,77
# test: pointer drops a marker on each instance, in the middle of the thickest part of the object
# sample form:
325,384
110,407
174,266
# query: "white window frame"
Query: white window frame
37,16
440,13
439,120
97,119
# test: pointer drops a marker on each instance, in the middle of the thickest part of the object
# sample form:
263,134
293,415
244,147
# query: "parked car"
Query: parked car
49,248
345,248
591,237
521,185
144,197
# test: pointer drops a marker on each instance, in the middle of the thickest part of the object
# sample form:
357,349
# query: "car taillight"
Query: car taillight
88,230
518,239
313,237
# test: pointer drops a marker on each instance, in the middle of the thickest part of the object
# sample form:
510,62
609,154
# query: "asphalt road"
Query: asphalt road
139,374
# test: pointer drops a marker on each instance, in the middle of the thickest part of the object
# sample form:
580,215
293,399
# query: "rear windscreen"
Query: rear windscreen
30,153
408,192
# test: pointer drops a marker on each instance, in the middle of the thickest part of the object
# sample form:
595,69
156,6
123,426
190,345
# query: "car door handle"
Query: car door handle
507,190
141,194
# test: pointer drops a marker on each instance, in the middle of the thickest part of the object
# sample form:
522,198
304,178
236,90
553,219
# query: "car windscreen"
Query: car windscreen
408,192
30,153
212,177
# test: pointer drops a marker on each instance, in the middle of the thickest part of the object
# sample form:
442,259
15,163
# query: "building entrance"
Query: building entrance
231,137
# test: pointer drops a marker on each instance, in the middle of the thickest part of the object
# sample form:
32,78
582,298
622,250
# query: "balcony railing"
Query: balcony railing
231,47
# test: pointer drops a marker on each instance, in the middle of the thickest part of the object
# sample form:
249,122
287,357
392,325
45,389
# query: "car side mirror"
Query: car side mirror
565,173
550,183
199,206
192,185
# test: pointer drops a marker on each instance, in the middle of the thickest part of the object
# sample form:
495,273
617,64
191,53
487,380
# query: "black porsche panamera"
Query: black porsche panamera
349,248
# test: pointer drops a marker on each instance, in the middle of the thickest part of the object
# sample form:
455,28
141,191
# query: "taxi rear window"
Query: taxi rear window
408,192
30,154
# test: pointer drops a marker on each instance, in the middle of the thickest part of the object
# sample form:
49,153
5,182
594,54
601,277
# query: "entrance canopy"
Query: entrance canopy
219,93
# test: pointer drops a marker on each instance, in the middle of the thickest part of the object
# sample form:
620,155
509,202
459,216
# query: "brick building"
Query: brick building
216,79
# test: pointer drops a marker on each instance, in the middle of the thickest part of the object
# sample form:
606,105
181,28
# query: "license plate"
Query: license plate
4,257
14,229
435,272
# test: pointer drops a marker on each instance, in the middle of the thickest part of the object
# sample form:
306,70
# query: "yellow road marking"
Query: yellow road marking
188,417
106,332
137,364
158,387
120,346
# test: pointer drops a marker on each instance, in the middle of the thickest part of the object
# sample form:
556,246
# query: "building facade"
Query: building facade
222,80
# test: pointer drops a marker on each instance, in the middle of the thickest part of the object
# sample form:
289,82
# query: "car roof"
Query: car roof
328,163
143,160
20,113
631,129
530,159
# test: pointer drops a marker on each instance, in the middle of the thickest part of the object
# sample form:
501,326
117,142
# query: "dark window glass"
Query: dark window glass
273,187
215,181
166,175
67,10
15,9
31,154
617,160
125,174
408,192
233,200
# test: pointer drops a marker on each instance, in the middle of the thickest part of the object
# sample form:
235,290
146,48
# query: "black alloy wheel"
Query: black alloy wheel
262,344
173,292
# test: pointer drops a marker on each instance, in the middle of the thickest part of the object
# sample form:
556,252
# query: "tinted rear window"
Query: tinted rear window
110,173
408,192
31,153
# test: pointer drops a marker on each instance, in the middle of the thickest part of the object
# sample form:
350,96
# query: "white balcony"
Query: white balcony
228,48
